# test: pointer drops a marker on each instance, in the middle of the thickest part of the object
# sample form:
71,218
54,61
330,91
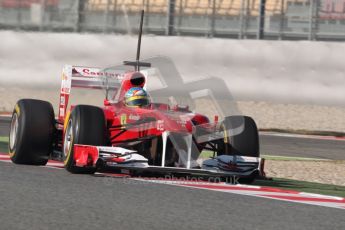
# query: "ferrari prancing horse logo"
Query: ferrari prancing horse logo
123,119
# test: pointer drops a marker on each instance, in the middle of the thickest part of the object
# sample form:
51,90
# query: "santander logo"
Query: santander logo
93,72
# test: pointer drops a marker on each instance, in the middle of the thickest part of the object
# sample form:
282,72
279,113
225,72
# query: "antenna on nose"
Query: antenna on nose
137,62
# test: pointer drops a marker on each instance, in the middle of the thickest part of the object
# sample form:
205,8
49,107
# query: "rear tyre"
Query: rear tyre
171,155
31,132
245,140
86,125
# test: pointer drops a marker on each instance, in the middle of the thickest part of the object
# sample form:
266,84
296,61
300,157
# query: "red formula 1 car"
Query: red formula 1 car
145,138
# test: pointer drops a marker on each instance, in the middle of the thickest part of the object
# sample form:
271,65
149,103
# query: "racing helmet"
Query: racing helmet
137,97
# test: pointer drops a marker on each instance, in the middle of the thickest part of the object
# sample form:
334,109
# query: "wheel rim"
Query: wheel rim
68,139
13,131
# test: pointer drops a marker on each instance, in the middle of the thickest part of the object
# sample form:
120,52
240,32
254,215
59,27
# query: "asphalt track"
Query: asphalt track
274,145
46,198
302,147
34,197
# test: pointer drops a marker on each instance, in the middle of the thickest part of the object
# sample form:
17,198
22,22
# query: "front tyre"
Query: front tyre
86,125
31,132
241,137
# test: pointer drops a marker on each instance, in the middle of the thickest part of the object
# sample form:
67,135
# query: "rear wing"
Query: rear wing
86,77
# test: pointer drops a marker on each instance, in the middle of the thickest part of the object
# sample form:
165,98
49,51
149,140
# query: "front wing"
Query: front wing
131,162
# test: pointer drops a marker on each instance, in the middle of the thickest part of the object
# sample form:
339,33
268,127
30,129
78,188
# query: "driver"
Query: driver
137,97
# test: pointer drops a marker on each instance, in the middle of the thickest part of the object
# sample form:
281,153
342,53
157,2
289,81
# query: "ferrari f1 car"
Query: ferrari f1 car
156,138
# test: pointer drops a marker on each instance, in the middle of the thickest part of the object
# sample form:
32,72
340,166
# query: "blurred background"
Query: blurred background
268,19
281,60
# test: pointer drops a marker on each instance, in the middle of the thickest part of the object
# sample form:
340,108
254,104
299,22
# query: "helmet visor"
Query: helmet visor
142,101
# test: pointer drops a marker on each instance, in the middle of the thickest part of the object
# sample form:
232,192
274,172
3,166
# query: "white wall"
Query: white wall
282,84
282,71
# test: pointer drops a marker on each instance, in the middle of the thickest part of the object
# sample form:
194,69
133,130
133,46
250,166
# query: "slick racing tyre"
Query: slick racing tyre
85,125
245,140
31,132
171,155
